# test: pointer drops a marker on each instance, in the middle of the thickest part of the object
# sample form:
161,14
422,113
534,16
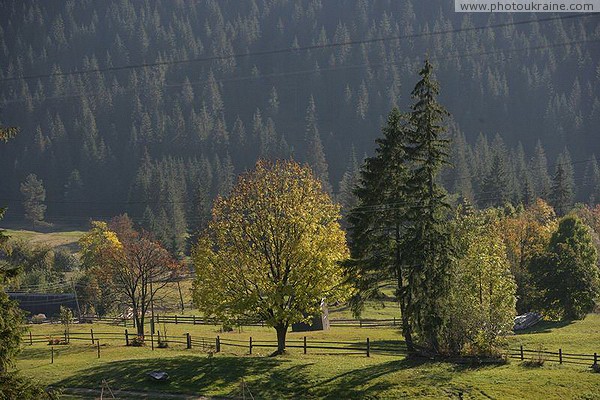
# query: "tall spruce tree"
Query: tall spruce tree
399,228
377,223
427,248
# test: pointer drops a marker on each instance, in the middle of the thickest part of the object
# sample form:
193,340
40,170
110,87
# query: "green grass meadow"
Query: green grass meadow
329,374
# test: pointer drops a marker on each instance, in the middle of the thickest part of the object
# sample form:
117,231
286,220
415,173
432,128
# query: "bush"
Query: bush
38,318
15,386
536,361
137,341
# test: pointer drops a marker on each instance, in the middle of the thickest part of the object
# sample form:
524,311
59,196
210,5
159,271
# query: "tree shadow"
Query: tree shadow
268,377
190,374
44,352
545,327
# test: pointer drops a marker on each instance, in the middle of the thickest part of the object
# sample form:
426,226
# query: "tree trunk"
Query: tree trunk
139,322
281,330
406,327
404,296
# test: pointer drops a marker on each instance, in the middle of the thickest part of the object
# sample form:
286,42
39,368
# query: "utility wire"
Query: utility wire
82,92
293,50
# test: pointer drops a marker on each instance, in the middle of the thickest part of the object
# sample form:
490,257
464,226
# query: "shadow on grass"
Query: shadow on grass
190,374
44,352
544,327
266,377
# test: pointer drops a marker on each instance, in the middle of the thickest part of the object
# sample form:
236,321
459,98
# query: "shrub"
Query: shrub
137,341
38,318
536,361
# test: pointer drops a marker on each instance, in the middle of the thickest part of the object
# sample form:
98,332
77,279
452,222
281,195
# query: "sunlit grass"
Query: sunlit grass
295,375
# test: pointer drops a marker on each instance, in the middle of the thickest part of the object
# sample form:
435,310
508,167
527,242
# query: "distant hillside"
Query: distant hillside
160,142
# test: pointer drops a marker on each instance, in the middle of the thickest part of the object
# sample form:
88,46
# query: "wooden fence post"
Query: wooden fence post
126,338
595,358
52,355
360,323
394,321
175,319
522,355
66,336
368,348
304,344
560,356
152,340
92,335
30,339
218,345
98,343
188,340
250,344
194,318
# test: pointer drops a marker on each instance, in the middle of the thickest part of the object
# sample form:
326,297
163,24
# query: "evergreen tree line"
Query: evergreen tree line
87,136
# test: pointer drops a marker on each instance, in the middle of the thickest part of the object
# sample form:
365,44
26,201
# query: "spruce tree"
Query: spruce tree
399,228
377,222
591,184
563,191
34,195
495,186
427,248
539,171
315,155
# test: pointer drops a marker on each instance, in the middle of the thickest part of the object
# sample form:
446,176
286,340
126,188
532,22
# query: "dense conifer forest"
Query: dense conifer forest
153,107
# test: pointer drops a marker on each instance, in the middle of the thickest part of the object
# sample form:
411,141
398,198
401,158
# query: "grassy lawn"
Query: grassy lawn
295,375
67,239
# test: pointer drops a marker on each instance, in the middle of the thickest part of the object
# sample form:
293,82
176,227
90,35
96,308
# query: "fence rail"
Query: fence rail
541,356
362,347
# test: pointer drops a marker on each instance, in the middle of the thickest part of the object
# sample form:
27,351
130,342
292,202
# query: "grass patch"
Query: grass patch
66,240
386,374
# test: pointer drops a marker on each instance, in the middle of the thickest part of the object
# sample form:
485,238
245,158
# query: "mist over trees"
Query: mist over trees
154,141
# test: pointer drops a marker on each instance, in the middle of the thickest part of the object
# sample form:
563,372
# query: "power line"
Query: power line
293,50
320,70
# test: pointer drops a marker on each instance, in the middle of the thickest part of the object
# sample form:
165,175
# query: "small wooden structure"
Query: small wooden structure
318,323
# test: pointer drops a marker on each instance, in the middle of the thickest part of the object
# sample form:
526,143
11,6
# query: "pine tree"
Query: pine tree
377,222
399,228
34,195
315,155
349,182
539,172
494,188
427,249
563,186
591,184
461,177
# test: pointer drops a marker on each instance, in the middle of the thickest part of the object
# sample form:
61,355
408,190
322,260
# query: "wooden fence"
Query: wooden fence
541,356
365,347
362,348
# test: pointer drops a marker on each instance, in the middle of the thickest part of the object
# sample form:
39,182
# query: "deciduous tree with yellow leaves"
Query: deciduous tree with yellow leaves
272,250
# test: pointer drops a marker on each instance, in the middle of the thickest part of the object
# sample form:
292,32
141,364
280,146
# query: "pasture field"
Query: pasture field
329,374
66,240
